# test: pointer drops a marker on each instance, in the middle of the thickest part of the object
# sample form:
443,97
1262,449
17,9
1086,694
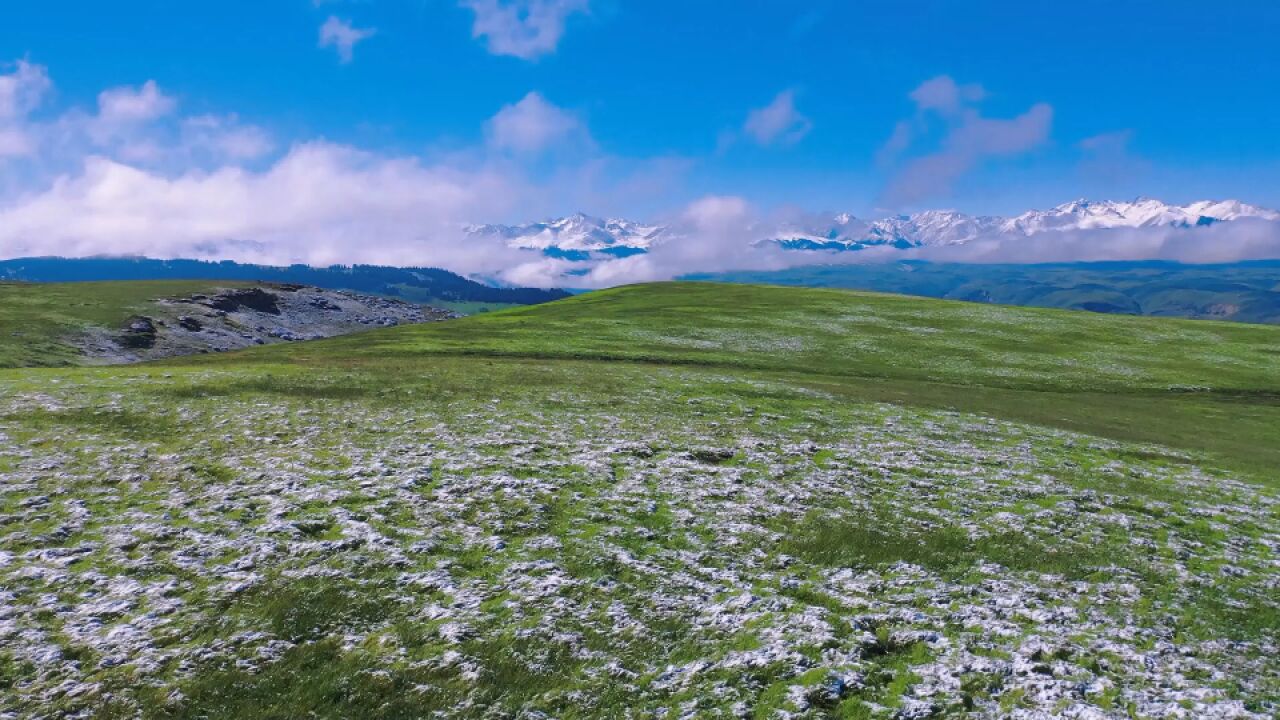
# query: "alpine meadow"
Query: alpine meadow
637,359
1025,511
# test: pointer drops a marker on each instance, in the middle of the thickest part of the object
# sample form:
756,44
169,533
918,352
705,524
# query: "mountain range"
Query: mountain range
581,237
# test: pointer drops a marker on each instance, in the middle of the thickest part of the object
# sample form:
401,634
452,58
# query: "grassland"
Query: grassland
676,500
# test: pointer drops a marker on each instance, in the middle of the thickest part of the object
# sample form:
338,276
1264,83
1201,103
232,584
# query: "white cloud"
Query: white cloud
122,119
532,126
166,185
779,122
137,124
22,90
15,142
711,234
342,36
968,139
944,95
132,105
320,203
718,233
522,28
1244,239
225,137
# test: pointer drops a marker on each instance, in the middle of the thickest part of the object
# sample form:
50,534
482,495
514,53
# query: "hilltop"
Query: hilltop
669,500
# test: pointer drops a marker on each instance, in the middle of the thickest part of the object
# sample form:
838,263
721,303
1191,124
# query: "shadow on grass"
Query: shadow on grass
876,541
315,679
272,385
106,421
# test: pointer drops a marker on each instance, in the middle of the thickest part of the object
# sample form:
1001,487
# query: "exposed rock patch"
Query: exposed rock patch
255,299
139,333
237,318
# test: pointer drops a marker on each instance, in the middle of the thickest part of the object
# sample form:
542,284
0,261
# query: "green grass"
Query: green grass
38,319
1195,385
853,334
575,485
871,541
1239,292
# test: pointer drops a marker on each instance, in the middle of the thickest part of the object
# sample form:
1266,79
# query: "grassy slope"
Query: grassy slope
1198,385
355,487
36,319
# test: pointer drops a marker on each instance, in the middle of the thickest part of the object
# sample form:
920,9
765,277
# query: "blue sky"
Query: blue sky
1193,83
638,108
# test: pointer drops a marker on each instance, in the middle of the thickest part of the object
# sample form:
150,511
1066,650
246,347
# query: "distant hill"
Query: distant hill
422,285
1243,292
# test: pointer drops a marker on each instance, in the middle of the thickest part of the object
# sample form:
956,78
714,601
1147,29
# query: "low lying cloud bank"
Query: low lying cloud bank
323,204
1234,241
319,204
710,238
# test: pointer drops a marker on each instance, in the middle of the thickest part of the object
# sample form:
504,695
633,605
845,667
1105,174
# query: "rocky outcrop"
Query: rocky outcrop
255,299
242,317
139,333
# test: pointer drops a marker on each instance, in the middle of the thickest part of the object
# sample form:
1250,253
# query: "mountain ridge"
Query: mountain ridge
581,237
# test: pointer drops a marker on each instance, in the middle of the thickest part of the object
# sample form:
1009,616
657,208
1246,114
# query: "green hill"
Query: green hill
670,500
1131,378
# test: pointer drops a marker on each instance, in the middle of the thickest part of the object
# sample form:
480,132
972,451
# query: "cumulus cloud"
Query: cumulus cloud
779,122
320,203
525,29
342,36
122,111
967,140
134,123
213,186
533,125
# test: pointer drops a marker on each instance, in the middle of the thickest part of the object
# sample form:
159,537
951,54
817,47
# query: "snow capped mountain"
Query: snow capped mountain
582,237
1143,212
576,236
